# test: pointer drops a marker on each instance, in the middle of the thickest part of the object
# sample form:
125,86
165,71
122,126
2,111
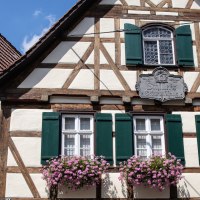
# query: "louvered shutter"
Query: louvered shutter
133,45
50,136
124,137
175,136
104,144
184,50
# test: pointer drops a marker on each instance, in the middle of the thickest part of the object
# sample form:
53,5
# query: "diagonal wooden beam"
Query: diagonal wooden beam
117,43
142,3
196,84
189,4
76,70
97,55
150,3
114,68
162,3
23,169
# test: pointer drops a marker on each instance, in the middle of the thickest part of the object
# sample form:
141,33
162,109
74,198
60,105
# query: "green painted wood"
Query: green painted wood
124,137
50,136
133,45
197,119
184,50
175,136
104,143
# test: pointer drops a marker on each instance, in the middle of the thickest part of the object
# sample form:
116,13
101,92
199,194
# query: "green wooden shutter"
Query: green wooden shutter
133,45
50,136
104,144
184,50
124,137
197,119
175,136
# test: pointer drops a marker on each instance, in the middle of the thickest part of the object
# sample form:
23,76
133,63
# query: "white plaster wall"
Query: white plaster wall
107,25
40,184
189,78
110,47
84,80
16,186
67,52
109,80
191,152
189,186
112,187
10,159
46,78
123,58
156,2
110,2
103,60
86,26
90,59
195,56
133,3
138,12
29,149
27,119
167,13
131,78
82,193
179,4
188,121
149,193
124,21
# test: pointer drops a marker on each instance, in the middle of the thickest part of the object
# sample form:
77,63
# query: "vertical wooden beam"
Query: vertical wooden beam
189,4
197,39
117,43
97,56
169,4
4,123
142,3
124,3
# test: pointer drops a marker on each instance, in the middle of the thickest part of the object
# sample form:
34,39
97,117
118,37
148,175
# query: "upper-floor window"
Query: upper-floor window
158,46
77,135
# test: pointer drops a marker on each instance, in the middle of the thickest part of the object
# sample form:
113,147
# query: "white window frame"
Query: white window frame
148,133
158,39
77,132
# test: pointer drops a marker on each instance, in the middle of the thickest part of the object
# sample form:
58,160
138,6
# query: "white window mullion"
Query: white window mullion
158,46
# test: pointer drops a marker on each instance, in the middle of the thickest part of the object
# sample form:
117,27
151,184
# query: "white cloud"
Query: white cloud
37,12
28,42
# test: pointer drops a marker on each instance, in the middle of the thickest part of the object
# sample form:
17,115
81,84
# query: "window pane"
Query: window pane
84,145
140,125
69,145
69,123
142,153
157,145
155,124
166,52
141,141
151,52
85,123
151,33
163,33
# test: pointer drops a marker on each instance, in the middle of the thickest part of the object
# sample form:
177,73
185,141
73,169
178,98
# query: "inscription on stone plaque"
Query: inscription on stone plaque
161,85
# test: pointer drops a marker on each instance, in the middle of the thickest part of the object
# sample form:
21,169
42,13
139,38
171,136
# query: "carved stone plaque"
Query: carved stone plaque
161,85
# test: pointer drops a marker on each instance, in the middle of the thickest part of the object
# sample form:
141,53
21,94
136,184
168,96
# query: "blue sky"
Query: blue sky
23,22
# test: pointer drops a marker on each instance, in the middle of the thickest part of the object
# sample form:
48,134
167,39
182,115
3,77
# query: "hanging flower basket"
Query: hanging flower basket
157,172
74,172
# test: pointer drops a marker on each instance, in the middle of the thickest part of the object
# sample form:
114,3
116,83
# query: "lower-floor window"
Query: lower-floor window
77,135
149,136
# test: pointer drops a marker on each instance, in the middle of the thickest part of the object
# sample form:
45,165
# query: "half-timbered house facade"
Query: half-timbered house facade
112,77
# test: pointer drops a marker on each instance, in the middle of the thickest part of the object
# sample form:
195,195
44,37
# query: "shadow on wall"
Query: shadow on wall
198,2
186,189
109,189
